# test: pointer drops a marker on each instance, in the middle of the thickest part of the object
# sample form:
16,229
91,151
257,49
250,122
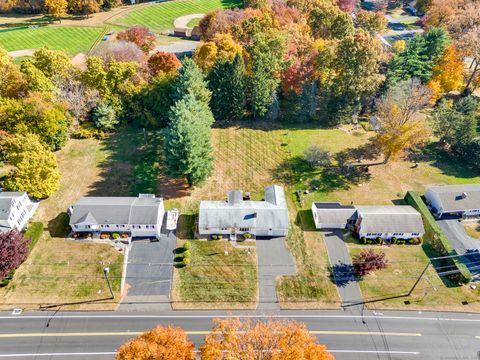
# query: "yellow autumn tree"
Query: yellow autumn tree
448,73
402,127
206,55
221,47
162,343
272,340
57,8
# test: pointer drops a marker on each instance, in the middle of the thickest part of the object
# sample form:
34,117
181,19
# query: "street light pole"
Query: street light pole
106,270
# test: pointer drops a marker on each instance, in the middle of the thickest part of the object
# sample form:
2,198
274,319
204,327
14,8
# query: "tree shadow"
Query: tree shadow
305,220
342,274
186,227
58,227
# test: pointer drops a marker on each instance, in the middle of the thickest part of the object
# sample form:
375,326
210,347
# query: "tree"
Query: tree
13,251
440,12
316,156
368,261
266,59
84,7
163,343
13,83
141,36
373,22
227,83
205,55
35,168
400,128
271,340
448,72
80,99
55,65
163,62
190,80
188,147
57,8
327,21
419,57
35,78
104,116
347,5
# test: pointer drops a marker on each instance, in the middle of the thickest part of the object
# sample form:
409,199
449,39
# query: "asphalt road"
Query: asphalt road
388,335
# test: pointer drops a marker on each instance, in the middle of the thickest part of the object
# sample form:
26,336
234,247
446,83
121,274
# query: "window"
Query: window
245,229
415,234
224,228
153,226
397,234
87,226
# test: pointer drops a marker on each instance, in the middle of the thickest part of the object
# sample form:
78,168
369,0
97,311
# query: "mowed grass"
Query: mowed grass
59,271
160,17
405,264
71,39
219,276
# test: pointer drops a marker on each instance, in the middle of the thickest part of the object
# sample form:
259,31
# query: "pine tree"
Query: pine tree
190,80
227,83
188,144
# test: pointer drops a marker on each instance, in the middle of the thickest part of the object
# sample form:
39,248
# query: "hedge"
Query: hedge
34,233
436,238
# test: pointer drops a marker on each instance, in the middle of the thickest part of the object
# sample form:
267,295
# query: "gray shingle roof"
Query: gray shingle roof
451,196
335,213
390,219
269,214
116,210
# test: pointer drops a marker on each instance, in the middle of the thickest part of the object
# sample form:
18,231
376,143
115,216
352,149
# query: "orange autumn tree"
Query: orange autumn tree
160,343
448,73
272,340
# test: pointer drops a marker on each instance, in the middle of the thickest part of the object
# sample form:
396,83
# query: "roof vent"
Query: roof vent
464,195
235,197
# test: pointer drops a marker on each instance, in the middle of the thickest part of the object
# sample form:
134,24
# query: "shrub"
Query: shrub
124,235
368,261
87,131
186,261
104,116
187,245
13,251
220,237
186,253
214,237
104,236
115,236
435,237
363,239
247,236
379,240
316,156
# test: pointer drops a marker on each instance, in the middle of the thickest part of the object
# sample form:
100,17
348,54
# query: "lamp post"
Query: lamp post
106,271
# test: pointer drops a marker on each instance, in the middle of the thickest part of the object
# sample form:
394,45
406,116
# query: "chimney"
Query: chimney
235,197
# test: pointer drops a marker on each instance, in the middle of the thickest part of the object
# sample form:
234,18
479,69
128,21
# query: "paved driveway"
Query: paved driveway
149,273
274,259
463,244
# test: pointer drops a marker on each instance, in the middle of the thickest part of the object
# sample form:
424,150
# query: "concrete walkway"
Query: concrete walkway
182,21
343,272
20,53
274,260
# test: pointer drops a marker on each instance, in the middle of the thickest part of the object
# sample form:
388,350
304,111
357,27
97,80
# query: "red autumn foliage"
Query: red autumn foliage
368,261
13,251
163,62
347,5
141,36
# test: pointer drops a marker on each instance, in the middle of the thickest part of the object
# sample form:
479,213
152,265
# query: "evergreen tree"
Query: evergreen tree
227,83
188,144
190,80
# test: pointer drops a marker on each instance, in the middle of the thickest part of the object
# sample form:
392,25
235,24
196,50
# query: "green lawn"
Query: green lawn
160,17
194,22
70,39
216,279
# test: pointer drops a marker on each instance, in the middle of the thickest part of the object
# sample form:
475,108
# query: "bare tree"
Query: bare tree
81,100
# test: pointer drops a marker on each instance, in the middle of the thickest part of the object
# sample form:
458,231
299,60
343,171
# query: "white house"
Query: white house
16,209
239,216
140,216
459,200
401,222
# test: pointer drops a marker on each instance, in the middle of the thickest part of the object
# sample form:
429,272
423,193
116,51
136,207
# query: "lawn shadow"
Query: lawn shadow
186,227
305,220
58,227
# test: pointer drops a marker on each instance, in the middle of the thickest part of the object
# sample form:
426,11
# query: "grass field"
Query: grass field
160,17
405,264
215,279
71,39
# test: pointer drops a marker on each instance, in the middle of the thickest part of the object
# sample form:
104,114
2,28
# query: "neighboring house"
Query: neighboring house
239,216
140,216
370,221
457,200
16,209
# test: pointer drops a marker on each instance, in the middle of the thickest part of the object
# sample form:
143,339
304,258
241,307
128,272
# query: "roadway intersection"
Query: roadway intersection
348,334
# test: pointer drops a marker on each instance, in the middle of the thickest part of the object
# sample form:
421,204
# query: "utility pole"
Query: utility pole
106,270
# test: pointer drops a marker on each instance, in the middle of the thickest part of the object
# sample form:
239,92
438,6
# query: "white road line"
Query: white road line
255,316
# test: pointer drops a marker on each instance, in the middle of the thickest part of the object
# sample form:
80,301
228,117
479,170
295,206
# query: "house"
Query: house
370,221
238,216
457,200
140,216
16,209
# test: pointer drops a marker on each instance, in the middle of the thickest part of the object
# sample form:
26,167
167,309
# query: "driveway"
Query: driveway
343,272
149,274
463,244
274,260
